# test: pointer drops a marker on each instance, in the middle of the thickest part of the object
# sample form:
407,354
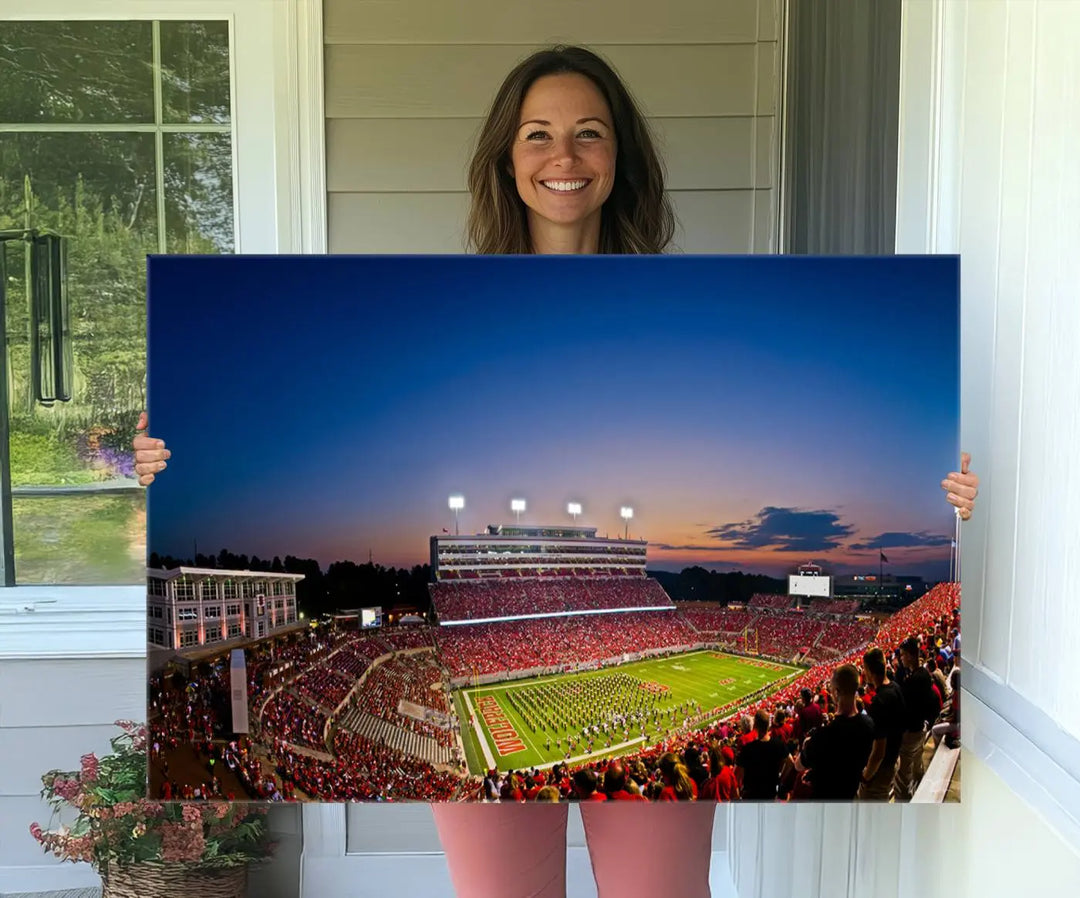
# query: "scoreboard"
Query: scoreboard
370,617
803,585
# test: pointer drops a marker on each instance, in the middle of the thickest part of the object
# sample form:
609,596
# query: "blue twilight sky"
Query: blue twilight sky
756,412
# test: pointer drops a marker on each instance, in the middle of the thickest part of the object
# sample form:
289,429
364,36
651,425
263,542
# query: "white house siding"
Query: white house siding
407,85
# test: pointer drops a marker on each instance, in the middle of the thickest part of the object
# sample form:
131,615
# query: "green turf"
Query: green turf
693,677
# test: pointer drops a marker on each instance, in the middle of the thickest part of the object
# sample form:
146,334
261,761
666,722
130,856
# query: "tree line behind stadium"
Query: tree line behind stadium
344,584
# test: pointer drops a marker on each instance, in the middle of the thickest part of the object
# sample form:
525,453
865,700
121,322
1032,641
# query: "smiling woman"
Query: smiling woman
565,164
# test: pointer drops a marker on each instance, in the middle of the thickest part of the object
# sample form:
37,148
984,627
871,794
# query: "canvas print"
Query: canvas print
553,528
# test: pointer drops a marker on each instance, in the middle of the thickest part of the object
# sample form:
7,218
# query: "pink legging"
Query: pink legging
514,850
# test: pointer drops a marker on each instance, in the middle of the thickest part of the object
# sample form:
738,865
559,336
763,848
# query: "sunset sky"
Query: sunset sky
756,412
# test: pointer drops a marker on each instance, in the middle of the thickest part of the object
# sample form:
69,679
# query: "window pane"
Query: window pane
99,191
195,72
81,539
76,72
198,193
379,828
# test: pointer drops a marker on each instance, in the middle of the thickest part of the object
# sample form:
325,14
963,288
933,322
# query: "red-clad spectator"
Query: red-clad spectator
809,716
618,787
747,733
585,786
723,785
532,788
782,728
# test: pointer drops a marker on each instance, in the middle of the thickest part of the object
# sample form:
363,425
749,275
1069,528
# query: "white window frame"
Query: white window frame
280,207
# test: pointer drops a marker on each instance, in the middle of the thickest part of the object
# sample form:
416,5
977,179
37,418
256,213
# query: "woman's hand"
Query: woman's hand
150,454
962,487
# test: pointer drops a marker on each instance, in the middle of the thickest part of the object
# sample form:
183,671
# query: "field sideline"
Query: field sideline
709,678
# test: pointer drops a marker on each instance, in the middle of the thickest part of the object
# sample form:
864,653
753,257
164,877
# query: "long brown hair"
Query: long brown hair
637,216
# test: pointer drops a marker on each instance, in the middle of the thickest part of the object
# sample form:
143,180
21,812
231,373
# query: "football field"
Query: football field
613,711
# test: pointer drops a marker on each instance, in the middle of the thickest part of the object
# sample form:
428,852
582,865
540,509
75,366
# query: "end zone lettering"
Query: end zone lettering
502,731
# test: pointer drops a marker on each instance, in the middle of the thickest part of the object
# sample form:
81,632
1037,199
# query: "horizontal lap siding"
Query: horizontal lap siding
51,713
719,221
631,22
407,85
394,155
371,81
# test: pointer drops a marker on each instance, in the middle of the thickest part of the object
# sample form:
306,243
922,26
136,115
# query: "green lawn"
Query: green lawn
532,719
81,539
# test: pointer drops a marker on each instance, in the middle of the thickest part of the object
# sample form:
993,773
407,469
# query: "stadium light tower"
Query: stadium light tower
517,506
626,513
574,509
456,503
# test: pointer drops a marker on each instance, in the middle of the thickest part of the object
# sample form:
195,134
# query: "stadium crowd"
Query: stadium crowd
711,618
850,730
363,770
801,742
325,686
506,646
833,606
785,635
407,678
841,636
766,600
290,718
482,600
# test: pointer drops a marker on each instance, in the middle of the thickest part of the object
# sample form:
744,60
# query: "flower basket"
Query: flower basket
172,881
145,848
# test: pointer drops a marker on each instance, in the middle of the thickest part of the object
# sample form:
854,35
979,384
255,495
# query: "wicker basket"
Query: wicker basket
156,880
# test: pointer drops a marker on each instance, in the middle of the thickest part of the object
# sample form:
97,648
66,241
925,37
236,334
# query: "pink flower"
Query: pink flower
89,767
139,739
65,788
192,814
222,810
123,808
181,842
151,808
36,832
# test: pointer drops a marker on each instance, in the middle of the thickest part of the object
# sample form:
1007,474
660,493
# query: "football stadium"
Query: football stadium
548,651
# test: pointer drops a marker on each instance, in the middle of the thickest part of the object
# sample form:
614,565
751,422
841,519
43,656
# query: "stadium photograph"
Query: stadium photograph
548,529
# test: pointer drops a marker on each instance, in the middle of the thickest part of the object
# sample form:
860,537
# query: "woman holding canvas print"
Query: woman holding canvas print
565,165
